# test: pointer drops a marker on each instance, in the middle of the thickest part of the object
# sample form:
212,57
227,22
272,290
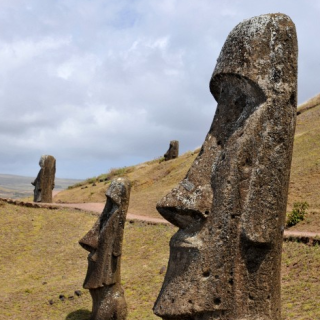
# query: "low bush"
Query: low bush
297,214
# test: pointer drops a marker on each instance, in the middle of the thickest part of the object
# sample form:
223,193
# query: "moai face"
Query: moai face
173,151
230,208
44,182
104,240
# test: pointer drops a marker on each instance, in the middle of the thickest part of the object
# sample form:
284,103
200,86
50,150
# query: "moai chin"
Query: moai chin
230,208
44,182
104,242
173,151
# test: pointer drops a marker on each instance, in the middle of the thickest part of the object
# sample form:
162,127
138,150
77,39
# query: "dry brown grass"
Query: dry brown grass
41,259
152,180
305,173
300,282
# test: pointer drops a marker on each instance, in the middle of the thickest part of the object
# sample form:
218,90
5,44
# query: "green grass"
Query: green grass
41,259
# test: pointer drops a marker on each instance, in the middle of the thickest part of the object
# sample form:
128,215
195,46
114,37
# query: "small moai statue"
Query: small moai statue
44,182
104,242
173,151
230,209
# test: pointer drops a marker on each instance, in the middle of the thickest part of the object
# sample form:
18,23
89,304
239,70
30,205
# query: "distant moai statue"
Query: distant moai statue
104,242
230,208
44,183
173,151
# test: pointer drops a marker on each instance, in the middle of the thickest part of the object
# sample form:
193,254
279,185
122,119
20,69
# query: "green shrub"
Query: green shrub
297,214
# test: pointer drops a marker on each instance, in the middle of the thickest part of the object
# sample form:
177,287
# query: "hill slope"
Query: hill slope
152,180
305,172
41,259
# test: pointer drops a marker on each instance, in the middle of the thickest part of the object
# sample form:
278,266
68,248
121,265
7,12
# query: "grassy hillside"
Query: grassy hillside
305,172
152,180
40,259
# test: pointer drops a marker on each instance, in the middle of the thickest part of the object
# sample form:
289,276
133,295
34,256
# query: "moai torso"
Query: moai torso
44,183
104,242
173,151
230,208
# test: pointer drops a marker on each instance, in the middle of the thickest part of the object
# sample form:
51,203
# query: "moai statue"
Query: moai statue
173,151
104,242
44,183
230,208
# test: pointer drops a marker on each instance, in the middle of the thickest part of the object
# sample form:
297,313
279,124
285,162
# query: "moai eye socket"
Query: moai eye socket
237,97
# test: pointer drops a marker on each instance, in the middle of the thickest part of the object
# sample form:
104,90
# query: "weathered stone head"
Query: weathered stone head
44,183
230,208
173,151
104,242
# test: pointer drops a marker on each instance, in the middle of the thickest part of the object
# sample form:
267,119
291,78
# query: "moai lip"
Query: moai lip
173,151
104,243
44,183
230,208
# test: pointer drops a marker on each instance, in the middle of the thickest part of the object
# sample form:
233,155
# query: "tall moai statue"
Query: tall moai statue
173,151
230,208
44,182
104,242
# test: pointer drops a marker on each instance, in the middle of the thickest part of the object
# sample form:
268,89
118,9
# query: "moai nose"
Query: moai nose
186,204
90,241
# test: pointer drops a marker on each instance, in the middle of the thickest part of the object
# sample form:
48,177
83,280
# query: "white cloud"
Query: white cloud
17,53
102,84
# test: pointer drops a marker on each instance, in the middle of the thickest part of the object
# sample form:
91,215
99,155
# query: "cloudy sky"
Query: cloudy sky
103,84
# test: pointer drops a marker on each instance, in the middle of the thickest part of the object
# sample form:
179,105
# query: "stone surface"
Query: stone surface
44,183
104,242
230,208
173,151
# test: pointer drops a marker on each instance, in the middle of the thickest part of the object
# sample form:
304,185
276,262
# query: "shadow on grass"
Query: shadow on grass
81,314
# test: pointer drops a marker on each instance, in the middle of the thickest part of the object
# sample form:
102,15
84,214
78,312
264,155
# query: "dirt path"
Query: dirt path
98,207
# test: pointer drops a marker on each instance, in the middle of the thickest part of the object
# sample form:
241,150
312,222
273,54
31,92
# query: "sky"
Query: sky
103,84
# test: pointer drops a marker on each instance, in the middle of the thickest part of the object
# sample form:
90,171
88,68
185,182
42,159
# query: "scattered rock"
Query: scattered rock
78,293
163,269
62,297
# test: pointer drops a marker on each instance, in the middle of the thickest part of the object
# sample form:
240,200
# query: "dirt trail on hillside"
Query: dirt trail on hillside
98,207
